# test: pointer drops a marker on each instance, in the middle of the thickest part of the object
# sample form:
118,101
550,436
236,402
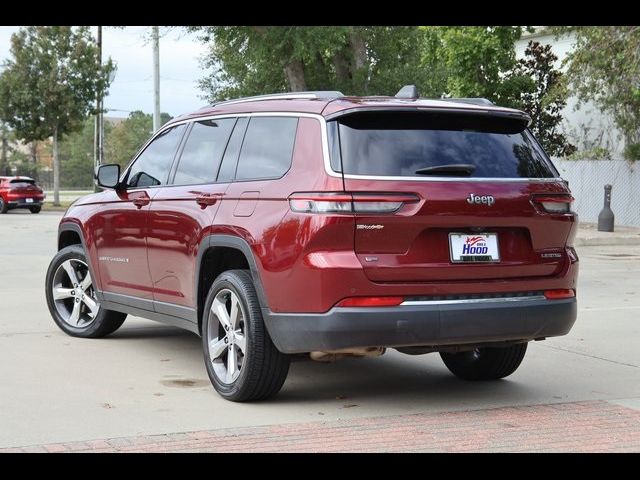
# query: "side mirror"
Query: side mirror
108,176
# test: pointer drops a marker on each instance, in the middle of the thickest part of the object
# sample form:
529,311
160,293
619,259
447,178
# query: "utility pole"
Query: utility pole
156,78
97,131
100,106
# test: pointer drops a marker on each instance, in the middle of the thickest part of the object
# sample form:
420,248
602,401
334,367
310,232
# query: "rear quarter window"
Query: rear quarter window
398,144
267,148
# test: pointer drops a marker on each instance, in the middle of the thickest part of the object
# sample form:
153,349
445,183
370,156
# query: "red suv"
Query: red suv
20,192
328,225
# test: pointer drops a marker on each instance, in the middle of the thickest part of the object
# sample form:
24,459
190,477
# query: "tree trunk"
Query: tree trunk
360,62
33,150
359,48
56,170
294,71
341,65
5,151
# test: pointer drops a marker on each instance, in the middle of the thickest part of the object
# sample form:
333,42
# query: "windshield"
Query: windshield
417,144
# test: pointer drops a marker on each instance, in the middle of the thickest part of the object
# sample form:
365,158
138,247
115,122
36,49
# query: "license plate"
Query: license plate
474,248
29,200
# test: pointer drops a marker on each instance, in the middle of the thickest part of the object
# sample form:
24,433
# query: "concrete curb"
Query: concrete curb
589,236
603,242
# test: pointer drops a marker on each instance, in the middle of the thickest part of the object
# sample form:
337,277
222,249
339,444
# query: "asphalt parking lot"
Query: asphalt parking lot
148,379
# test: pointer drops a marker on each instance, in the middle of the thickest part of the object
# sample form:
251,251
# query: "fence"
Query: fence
587,179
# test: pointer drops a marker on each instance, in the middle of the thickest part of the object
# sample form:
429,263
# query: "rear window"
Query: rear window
22,183
403,143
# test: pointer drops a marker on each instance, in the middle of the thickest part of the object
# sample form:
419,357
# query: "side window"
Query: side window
203,151
230,159
334,146
152,167
267,148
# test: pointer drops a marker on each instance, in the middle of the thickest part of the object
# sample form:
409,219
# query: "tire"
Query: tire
35,209
485,363
90,322
4,208
260,369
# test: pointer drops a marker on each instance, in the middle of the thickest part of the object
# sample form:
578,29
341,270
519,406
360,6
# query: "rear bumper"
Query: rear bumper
424,324
22,203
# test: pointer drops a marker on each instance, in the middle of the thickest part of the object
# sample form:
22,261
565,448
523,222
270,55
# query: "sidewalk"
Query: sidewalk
592,426
588,236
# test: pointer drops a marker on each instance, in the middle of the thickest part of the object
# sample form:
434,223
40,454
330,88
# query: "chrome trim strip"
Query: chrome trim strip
467,301
453,179
320,118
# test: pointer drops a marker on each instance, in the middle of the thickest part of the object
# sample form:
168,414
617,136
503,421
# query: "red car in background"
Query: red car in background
20,192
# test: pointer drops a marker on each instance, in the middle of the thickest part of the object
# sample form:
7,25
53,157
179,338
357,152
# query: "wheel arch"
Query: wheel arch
216,254
71,234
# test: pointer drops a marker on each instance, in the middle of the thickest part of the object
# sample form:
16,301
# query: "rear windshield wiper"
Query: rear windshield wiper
451,170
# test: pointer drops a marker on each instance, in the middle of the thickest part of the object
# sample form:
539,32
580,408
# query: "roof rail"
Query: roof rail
472,101
315,95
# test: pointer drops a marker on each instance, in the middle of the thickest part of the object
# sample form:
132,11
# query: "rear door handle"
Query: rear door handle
205,200
141,202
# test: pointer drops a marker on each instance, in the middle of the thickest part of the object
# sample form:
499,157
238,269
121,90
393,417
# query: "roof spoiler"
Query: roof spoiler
472,101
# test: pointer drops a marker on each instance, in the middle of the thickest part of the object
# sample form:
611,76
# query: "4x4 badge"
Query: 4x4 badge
474,199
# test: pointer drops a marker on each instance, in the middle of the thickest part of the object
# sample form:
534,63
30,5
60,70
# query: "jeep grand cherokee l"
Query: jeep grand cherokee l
329,225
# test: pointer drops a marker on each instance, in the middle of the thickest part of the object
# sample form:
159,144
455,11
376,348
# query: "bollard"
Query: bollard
606,217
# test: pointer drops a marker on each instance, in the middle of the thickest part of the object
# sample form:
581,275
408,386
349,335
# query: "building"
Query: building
586,127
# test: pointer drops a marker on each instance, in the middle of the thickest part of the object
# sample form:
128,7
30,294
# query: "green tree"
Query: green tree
356,60
604,67
76,153
124,139
5,149
477,62
544,97
50,84
459,61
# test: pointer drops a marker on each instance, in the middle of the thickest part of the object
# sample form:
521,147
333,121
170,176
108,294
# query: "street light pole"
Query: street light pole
156,78
100,106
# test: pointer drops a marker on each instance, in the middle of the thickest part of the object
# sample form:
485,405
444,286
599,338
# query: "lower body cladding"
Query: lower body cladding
423,323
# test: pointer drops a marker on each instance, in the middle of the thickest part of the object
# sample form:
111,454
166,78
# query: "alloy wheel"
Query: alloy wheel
227,336
74,295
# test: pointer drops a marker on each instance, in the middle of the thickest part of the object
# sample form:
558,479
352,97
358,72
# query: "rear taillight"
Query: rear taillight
350,202
370,302
559,293
554,203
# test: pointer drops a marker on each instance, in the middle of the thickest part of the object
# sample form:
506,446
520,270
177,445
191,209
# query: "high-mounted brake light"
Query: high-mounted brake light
554,203
349,202
370,302
559,294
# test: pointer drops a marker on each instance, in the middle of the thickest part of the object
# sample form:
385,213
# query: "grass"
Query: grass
67,197
49,207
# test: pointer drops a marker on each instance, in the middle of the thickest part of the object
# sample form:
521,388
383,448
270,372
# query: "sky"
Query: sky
132,88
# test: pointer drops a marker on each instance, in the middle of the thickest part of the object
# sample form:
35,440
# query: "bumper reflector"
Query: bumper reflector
559,294
370,302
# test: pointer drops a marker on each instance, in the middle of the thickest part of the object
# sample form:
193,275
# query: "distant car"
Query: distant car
20,192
